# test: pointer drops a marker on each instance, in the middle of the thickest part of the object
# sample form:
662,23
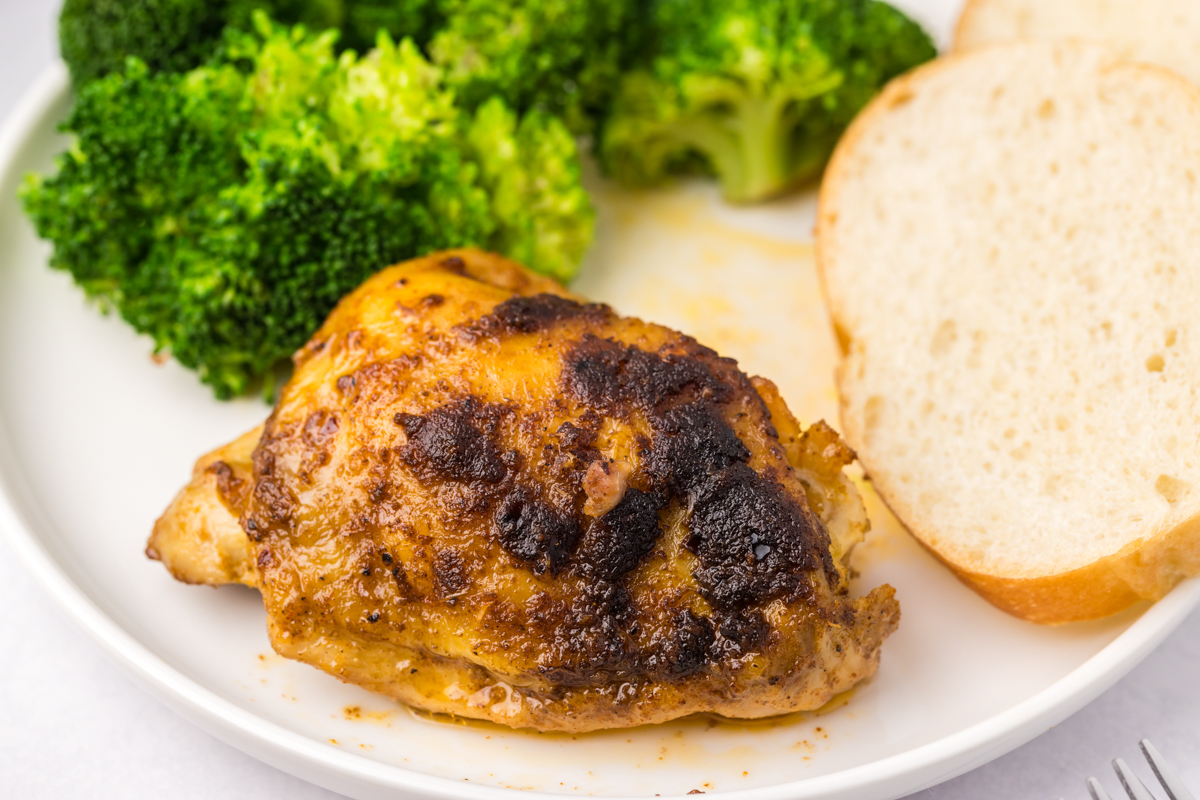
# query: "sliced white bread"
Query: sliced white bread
1010,244
1165,32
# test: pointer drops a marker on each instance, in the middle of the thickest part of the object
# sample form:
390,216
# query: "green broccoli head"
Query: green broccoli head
753,91
359,21
96,36
282,72
560,56
390,104
544,218
224,211
401,19
871,42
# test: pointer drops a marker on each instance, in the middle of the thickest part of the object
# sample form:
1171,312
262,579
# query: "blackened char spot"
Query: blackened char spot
615,543
454,442
585,642
742,632
532,315
692,442
533,531
610,376
754,542
685,650
575,439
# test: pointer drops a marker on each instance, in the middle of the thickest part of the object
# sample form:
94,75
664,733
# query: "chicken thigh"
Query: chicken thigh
481,495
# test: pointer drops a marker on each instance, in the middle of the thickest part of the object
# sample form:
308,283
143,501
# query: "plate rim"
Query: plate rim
894,776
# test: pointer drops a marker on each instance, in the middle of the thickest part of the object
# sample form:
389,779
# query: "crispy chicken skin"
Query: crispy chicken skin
199,538
483,496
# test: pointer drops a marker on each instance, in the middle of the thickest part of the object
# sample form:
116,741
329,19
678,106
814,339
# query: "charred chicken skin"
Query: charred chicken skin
481,495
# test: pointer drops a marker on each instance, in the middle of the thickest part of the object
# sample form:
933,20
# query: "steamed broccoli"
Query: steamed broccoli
754,91
561,56
362,20
358,20
531,172
224,211
96,36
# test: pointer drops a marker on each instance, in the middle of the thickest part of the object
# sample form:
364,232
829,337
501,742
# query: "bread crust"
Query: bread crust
966,22
1144,570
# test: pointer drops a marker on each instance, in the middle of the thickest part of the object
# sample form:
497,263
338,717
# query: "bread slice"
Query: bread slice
1165,32
1009,240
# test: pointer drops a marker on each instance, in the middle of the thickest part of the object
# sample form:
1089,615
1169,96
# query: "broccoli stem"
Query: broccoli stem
749,148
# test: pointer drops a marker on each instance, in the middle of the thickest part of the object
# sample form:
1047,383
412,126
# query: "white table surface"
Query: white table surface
72,724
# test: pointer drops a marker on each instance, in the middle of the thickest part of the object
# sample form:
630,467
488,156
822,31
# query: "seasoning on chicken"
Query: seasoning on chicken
481,495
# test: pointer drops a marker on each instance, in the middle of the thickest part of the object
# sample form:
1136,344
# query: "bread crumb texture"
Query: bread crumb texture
1010,244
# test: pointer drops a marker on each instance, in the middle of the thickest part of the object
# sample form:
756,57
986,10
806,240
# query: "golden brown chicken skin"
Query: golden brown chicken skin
483,496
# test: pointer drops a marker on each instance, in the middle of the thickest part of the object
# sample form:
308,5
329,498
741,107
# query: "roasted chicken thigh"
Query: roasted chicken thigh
481,495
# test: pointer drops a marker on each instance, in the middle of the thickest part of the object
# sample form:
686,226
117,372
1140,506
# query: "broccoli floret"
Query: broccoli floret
96,36
753,91
411,19
560,56
390,103
358,20
224,211
544,217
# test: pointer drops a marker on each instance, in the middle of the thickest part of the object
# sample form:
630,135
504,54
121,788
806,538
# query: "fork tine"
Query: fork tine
1096,790
1166,776
1132,783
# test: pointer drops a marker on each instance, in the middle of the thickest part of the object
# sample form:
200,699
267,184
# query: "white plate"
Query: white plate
95,439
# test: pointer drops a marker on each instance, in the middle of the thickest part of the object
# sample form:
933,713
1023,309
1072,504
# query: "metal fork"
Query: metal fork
1133,784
